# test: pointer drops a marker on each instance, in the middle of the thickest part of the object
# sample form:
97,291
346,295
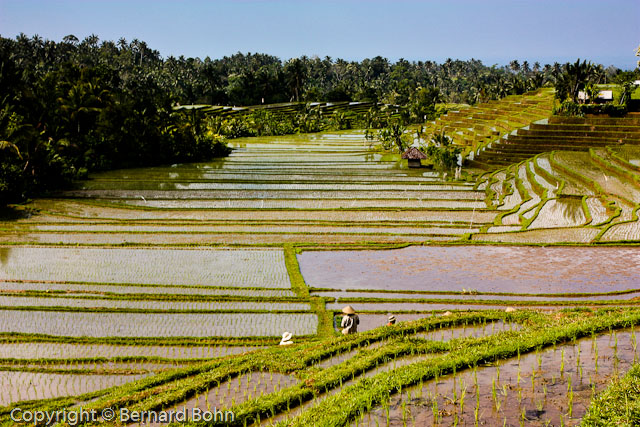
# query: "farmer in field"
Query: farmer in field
286,338
350,321
391,320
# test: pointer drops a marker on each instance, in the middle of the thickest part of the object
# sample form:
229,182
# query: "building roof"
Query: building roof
413,153
606,95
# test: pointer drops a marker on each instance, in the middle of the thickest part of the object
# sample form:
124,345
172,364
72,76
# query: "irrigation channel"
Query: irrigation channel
170,287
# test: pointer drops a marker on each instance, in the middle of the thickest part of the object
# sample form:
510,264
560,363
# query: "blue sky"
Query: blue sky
495,31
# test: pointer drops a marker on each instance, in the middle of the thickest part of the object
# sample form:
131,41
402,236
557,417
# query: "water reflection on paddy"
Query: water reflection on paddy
481,268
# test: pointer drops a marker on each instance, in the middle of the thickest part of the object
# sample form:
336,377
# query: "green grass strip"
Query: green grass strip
298,285
13,338
618,405
295,277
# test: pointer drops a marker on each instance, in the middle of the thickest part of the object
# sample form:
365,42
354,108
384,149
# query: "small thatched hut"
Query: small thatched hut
413,155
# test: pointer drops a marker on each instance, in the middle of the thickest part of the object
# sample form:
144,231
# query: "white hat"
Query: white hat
348,310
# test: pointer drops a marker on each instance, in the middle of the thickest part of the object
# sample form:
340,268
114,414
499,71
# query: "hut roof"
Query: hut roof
413,154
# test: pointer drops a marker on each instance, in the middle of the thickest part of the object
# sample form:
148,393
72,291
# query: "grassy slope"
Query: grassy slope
619,404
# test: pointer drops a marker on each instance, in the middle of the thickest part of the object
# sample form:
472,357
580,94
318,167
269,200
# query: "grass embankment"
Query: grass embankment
619,404
325,319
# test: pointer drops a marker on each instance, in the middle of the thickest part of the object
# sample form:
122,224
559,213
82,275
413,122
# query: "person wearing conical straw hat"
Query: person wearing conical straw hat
350,321
286,339
391,320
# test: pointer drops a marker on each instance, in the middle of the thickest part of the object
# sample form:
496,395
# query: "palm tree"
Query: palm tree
296,73
574,78
81,101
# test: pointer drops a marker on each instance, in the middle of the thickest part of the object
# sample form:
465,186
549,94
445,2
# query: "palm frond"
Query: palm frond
6,145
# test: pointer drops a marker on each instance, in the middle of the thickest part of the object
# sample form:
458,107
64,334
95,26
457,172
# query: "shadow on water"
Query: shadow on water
569,208
9,213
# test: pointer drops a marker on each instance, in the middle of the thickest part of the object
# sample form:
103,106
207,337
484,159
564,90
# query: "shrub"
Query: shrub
442,152
571,109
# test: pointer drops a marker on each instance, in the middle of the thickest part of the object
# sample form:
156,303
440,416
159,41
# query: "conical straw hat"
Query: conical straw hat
286,336
348,310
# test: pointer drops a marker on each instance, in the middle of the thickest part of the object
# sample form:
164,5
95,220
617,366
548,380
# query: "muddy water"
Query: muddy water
395,307
551,387
519,297
35,350
483,268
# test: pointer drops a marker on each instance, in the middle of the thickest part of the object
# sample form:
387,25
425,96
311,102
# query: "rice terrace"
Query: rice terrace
481,222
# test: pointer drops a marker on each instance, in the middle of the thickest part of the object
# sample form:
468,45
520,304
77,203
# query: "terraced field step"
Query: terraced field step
579,133
87,212
559,133
478,125
40,350
217,239
97,288
259,268
281,178
425,192
404,203
12,302
591,172
22,386
629,120
235,186
158,325
256,228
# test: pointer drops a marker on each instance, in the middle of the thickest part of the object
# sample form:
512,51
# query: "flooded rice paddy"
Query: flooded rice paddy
52,350
477,268
90,303
100,289
19,386
241,268
104,324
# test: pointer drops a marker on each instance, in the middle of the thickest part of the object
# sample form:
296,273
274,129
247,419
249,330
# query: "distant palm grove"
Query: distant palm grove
76,106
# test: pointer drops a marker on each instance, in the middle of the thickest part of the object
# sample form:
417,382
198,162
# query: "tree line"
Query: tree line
74,106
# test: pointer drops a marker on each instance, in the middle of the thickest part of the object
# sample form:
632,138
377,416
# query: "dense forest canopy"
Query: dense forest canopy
254,78
74,106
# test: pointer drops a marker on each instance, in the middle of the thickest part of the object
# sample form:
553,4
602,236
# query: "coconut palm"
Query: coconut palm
573,79
295,73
